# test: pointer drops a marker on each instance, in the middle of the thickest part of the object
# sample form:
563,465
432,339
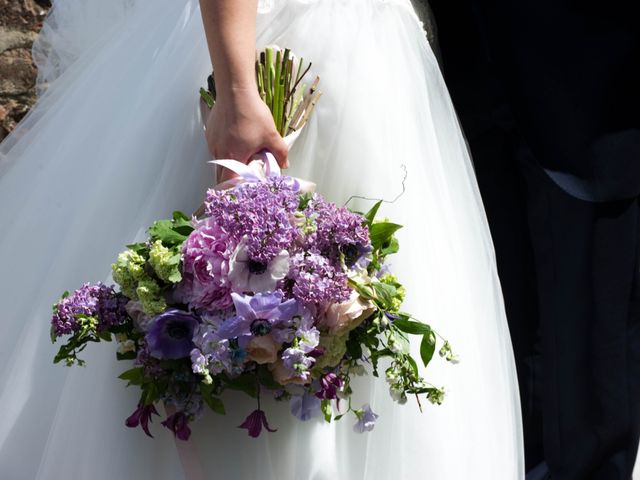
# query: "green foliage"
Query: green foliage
327,410
427,347
380,233
246,383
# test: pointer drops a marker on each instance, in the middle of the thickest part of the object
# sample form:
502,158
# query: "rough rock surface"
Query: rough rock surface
20,20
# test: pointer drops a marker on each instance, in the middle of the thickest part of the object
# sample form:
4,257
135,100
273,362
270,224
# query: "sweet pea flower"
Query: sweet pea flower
366,419
305,407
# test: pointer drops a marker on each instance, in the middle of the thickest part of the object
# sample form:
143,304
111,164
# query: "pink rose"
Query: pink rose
342,317
205,267
282,374
263,349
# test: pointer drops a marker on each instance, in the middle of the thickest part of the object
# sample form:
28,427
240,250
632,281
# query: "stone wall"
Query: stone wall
20,21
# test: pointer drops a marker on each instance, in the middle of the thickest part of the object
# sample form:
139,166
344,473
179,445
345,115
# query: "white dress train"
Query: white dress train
116,142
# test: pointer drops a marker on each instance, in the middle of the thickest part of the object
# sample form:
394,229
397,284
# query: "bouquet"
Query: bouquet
273,290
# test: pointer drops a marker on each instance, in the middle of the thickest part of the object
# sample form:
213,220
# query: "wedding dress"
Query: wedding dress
116,142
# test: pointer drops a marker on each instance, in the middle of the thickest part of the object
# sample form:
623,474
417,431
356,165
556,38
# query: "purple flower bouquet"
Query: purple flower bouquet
273,291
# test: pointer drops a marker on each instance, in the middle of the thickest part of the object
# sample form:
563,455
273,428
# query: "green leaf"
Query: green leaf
163,230
427,347
385,352
354,348
104,335
245,383
139,248
150,393
265,377
414,365
327,410
392,246
134,376
384,293
207,97
182,223
412,327
371,214
52,334
381,233
126,356
303,200
214,404
338,417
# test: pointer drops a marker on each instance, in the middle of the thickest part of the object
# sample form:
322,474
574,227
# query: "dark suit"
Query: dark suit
548,94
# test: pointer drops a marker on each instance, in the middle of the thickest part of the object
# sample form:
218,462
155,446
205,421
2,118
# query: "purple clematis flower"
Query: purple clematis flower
366,420
254,423
170,334
259,315
142,417
178,423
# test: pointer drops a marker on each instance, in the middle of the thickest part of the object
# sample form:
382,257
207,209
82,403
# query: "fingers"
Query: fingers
280,151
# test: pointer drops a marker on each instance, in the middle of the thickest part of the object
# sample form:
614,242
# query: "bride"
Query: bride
116,142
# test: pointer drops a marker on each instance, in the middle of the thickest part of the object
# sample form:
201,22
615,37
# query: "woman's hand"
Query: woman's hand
239,126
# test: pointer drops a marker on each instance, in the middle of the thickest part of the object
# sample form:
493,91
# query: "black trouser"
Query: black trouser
570,281
586,257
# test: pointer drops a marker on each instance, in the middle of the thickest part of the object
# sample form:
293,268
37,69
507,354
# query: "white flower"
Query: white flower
126,346
245,277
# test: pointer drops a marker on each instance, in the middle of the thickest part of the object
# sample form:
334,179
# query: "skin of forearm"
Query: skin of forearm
230,28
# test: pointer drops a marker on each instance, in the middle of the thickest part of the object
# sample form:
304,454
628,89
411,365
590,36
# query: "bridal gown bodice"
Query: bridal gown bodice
116,142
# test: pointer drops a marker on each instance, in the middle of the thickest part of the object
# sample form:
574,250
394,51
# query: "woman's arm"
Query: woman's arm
240,124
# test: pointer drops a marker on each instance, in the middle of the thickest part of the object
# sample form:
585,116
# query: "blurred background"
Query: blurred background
20,20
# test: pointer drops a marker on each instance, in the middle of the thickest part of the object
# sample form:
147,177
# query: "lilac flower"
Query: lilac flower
366,419
305,407
205,266
254,423
317,281
178,423
248,275
337,229
170,334
260,212
258,315
142,416
98,301
329,386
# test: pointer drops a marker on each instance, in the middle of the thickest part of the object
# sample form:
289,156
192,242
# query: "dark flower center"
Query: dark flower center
178,331
260,327
351,254
257,268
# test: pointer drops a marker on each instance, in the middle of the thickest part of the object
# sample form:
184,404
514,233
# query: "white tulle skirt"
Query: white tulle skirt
116,142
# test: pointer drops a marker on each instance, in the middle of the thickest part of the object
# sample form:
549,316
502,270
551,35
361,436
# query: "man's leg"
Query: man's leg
586,263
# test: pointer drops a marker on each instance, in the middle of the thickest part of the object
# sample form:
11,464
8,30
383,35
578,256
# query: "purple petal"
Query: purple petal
233,327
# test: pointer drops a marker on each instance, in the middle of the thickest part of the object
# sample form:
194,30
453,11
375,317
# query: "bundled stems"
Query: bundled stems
278,78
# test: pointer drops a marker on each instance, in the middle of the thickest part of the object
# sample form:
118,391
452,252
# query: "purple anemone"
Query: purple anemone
259,315
170,334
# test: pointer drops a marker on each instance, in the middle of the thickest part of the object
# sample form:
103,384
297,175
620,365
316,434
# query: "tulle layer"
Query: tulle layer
116,142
